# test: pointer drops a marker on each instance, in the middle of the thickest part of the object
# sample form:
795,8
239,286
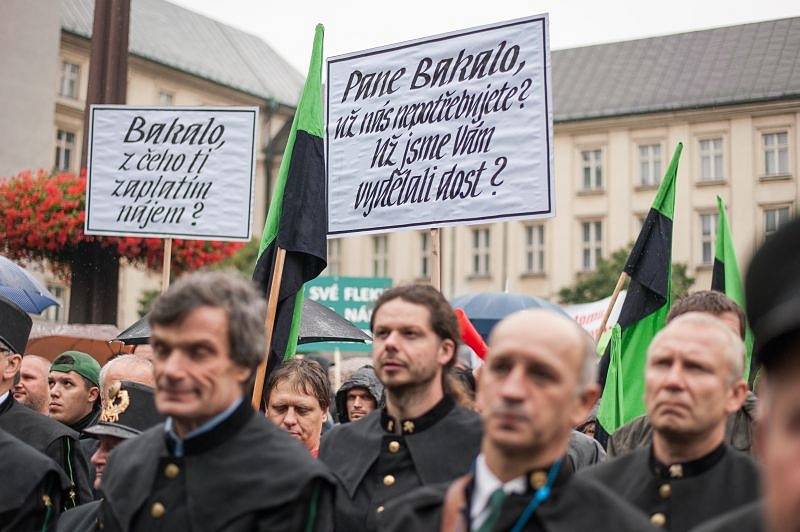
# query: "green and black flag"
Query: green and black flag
645,309
297,220
726,278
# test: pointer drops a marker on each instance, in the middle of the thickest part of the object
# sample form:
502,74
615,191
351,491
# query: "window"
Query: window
380,256
534,248
776,153
649,165
711,160
425,254
480,251
70,79
165,98
592,169
708,230
55,313
592,244
65,149
774,218
334,254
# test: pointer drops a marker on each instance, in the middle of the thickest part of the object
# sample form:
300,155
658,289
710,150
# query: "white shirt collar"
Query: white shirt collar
484,484
4,397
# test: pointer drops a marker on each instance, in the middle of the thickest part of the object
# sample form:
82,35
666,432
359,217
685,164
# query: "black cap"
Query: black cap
772,292
15,326
129,410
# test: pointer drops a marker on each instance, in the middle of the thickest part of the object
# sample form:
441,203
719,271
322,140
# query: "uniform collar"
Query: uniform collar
415,425
687,469
211,433
485,483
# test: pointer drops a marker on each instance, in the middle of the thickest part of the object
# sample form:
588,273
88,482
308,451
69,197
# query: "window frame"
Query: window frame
593,246
480,251
534,247
777,150
380,257
712,154
657,176
70,79
65,146
596,169
709,239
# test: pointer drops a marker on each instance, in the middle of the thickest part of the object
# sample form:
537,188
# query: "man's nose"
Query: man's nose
513,386
674,379
357,402
290,418
173,365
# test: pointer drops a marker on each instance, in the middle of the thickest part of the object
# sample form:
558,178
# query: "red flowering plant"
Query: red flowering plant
42,219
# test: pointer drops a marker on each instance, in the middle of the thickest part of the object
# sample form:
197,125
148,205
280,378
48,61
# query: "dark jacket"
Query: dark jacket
31,488
80,519
363,377
374,464
575,504
639,433
749,518
54,439
584,451
245,474
684,495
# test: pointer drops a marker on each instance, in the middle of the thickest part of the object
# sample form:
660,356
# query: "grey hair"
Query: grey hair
245,307
129,360
734,347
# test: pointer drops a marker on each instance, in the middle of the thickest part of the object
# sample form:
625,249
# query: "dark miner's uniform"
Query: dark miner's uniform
379,458
680,496
574,504
45,435
243,474
31,489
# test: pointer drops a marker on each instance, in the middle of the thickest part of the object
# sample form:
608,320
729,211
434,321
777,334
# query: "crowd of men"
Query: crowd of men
418,440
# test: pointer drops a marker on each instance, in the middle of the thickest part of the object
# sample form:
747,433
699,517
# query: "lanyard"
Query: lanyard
539,497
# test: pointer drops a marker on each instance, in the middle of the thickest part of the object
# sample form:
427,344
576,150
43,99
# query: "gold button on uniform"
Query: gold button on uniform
665,490
171,471
157,510
658,519
538,479
380,509
388,480
394,446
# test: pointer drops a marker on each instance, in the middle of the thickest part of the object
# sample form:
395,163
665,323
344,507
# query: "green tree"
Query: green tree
601,282
243,261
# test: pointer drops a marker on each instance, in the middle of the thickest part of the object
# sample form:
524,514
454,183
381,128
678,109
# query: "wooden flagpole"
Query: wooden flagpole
436,258
167,266
269,322
617,289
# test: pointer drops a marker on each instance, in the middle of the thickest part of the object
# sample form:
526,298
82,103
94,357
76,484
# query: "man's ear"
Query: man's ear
737,396
585,401
447,351
94,393
13,364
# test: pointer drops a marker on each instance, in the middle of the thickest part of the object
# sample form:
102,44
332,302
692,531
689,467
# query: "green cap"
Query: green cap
81,363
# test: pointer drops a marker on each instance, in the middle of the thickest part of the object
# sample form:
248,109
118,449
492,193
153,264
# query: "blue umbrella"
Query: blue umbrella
23,289
486,309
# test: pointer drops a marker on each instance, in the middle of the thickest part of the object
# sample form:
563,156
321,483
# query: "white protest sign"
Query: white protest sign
447,130
171,172
590,315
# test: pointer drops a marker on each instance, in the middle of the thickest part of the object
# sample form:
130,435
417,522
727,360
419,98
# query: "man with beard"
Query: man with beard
214,464
128,410
688,474
46,435
537,382
772,288
421,436
359,395
33,389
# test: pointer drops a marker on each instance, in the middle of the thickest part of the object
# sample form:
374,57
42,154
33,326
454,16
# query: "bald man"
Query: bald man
688,474
32,389
133,368
537,383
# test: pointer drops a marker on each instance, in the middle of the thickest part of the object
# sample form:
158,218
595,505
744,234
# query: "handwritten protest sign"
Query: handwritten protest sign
171,172
446,130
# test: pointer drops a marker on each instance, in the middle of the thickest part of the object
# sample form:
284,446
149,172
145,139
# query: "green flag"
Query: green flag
646,305
726,278
297,218
609,414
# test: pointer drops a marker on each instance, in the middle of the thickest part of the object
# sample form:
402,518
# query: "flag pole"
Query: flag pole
617,289
167,266
269,322
436,258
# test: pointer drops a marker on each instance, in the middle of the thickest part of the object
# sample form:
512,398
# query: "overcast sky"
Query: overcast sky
352,25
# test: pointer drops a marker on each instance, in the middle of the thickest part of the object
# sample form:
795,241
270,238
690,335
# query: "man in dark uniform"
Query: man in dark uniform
421,436
688,475
772,289
215,464
538,381
31,489
128,410
739,427
46,435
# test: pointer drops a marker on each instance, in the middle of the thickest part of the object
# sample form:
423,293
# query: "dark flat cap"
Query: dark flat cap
15,326
129,410
772,291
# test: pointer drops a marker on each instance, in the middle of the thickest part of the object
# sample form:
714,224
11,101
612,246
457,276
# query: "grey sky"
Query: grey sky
351,25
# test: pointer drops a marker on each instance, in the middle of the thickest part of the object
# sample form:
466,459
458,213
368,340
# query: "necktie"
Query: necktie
495,508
